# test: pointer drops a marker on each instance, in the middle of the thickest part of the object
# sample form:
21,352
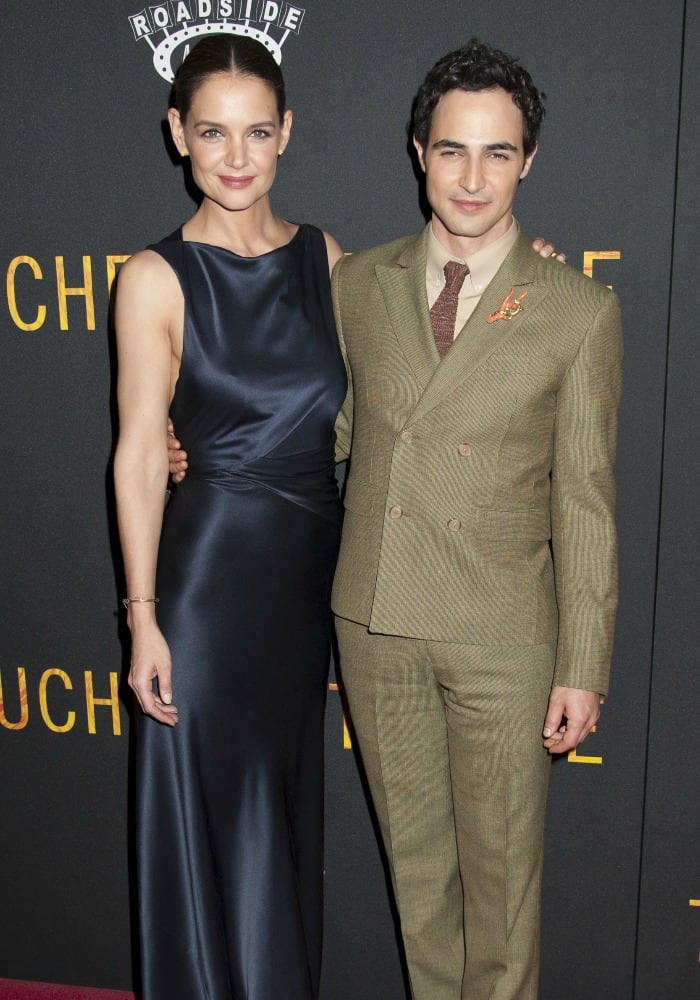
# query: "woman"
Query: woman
227,324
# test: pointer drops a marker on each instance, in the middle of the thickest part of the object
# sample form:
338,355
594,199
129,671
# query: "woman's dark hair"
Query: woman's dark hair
225,54
474,67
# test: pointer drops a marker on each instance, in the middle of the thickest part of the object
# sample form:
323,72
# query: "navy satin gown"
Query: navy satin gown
229,802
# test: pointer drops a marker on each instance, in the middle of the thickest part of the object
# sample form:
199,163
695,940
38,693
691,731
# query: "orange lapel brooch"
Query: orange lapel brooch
508,308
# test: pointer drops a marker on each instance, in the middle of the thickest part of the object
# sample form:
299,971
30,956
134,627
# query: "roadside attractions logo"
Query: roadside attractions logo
170,28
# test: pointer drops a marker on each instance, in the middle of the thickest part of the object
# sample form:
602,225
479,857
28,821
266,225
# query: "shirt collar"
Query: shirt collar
482,265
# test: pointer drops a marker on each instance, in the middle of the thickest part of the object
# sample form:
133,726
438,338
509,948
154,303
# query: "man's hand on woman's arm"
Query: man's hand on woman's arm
177,458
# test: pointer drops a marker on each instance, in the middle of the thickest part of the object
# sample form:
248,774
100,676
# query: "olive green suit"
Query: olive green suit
477,567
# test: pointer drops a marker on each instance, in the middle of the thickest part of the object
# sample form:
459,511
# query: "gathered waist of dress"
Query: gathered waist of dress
306,478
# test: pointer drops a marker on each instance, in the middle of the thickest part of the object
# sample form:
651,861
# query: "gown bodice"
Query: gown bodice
261,377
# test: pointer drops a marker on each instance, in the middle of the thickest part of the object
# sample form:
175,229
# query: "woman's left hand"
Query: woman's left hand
546,249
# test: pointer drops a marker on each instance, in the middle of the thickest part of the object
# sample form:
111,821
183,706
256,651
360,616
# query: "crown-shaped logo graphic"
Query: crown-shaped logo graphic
172,24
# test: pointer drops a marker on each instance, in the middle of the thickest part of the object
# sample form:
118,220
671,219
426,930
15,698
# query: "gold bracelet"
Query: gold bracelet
126,601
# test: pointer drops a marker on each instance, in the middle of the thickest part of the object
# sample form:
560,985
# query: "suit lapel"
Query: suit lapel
403,288
479,340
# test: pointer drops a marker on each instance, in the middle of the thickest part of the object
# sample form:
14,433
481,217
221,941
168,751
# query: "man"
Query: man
476,587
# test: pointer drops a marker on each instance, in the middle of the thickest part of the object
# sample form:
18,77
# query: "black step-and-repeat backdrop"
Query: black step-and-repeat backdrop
86,181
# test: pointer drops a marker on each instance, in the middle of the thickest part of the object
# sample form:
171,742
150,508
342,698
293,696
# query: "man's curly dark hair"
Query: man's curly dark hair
474,67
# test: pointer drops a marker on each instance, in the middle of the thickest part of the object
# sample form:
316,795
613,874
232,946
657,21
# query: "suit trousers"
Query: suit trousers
451,740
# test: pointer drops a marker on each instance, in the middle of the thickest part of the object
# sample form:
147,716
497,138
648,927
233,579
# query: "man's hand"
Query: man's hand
177,458
571,715
546,249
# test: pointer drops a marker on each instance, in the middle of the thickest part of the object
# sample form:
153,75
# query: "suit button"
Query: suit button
395,511
464,449
454,524
407,437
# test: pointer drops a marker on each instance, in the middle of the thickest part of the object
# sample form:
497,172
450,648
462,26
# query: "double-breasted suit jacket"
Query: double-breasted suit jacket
480,493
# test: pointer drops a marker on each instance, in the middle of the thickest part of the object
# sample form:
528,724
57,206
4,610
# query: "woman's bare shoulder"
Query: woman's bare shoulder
147,277
149,295
147,265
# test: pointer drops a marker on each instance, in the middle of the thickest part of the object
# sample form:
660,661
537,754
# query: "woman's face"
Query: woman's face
233,136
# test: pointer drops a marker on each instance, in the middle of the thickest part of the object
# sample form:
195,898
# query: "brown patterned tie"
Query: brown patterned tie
443,314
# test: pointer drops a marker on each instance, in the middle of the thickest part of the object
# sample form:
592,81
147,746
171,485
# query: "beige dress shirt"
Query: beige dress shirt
482,269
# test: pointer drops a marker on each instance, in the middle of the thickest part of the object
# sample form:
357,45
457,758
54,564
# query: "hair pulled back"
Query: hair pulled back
225,53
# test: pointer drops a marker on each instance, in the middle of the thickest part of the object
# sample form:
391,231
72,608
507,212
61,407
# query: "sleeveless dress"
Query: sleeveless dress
229,802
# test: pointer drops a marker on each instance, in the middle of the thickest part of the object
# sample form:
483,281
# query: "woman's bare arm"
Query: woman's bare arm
148,322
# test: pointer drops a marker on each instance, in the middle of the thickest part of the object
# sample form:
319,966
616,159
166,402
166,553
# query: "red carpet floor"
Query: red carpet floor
13,989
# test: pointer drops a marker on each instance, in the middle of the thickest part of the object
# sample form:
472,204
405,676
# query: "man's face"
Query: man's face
473,162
